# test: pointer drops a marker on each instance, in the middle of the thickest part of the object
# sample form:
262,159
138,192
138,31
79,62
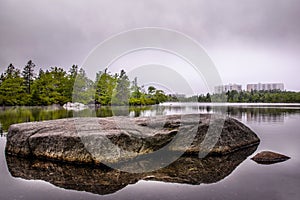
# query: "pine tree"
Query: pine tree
10,71
28,75
105,84
11,88
122,91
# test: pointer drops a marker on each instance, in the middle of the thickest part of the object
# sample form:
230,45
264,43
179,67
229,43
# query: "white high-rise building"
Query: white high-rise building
225,88
265,87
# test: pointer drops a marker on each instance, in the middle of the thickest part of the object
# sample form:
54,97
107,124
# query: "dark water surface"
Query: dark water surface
230,177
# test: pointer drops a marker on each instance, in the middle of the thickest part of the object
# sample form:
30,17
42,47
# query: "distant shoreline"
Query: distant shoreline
230,103
169,103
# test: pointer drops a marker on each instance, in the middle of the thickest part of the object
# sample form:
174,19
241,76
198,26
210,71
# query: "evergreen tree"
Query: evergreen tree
122,91
12,91
1,78
28,75
105,84
73,71
83,88
50,87
136,94
10,71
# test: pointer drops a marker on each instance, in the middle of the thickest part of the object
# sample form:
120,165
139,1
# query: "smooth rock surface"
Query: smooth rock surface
268,157
115,139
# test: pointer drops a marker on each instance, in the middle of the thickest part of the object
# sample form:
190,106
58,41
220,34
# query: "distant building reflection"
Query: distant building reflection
263,117
246,113
251,114
258,114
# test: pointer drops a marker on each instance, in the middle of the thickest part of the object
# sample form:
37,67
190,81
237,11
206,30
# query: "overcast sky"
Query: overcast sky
248,40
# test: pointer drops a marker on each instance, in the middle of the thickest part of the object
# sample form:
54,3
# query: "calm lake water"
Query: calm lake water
231,177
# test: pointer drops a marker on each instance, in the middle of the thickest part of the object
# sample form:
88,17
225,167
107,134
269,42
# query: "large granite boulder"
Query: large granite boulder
115,139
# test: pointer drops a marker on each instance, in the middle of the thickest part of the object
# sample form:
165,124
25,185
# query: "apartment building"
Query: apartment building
230,87
265,87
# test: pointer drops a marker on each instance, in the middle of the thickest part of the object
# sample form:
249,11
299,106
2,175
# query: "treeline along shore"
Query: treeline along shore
57,86
272,96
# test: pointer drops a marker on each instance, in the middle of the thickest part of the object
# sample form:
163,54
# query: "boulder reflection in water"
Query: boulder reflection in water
103,180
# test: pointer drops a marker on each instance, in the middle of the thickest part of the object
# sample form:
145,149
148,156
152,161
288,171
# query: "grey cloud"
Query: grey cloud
62,32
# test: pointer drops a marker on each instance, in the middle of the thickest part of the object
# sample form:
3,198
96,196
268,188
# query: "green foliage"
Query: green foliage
274,96
14,115
105,84
12,90
199,98
122,90
56,86
83,88
137,97
28,75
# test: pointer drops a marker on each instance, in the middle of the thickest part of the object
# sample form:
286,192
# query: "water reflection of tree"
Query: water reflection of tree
15,115
133,111
140,111
12,115
104,111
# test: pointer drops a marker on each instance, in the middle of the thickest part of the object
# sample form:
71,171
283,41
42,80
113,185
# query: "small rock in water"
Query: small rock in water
268,157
